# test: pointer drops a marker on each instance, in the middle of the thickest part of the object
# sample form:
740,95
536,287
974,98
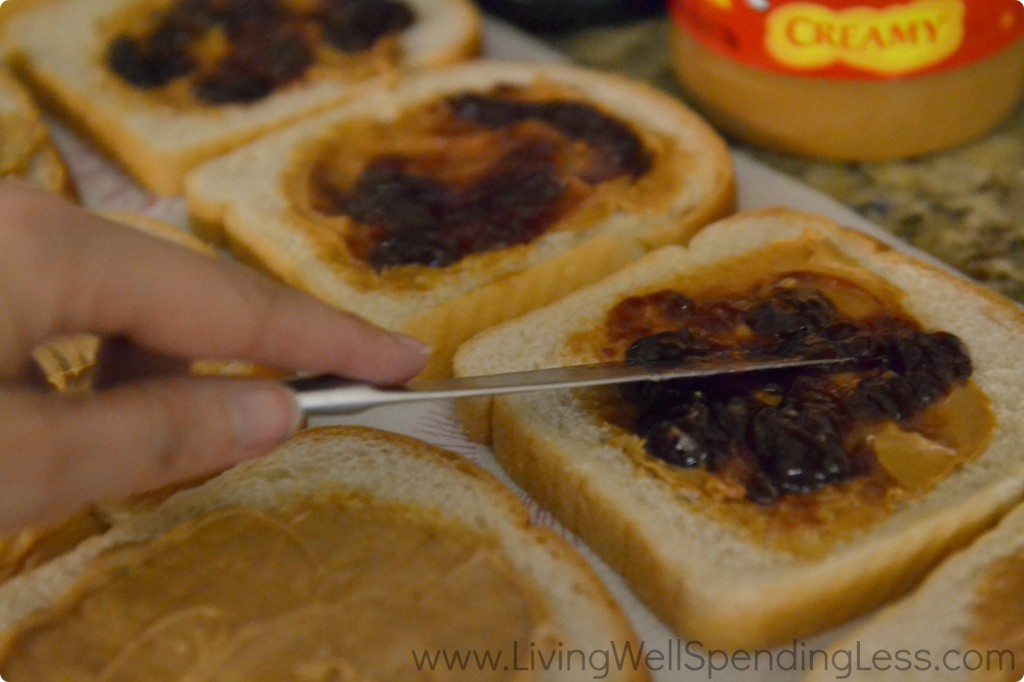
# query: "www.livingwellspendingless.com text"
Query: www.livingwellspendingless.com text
691,656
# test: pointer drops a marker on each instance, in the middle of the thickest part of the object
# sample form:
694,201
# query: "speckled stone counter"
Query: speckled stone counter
965,206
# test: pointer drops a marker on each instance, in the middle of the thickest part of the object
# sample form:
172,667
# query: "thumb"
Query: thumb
61,453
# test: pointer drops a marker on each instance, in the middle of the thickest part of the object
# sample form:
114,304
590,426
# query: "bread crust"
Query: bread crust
29,152
444,306
390,468
158,143
701,577
936,618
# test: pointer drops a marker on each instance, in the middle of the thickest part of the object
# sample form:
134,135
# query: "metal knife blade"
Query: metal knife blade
326,394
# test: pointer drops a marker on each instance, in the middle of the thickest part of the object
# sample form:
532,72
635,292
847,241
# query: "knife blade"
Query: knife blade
327,394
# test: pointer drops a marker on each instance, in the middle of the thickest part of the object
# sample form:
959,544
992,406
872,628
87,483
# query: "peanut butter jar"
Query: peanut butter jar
861,80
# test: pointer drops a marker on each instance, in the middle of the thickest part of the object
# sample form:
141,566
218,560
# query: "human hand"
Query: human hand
66,271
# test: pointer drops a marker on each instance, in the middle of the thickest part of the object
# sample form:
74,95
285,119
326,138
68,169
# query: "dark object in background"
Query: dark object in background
563,15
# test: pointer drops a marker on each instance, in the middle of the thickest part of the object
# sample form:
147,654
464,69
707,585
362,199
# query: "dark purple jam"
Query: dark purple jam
409,217
791,429
270,43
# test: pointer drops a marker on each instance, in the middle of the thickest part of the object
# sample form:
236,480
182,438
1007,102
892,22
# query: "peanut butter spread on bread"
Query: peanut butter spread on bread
998,620
340,587
802,459
473,177
33,547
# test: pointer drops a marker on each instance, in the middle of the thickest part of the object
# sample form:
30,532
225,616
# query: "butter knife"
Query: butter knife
326,394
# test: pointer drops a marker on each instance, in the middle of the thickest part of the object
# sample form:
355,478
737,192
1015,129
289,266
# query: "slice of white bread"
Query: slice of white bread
717,581
934,633
59,45
255,194
27,152
432,486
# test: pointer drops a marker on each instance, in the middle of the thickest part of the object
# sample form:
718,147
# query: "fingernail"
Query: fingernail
263,415
413,343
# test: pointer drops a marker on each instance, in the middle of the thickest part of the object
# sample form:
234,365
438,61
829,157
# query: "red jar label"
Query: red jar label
859,39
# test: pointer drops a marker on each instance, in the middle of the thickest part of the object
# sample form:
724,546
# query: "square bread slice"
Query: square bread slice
403,147
868,495
159,131
349,553
965,621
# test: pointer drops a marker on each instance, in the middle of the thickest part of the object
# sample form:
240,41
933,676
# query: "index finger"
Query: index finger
72,271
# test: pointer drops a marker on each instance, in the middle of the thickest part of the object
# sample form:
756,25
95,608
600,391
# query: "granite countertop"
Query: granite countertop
965,206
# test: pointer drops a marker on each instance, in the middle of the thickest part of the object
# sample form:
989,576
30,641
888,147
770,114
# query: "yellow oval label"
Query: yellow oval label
891,41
